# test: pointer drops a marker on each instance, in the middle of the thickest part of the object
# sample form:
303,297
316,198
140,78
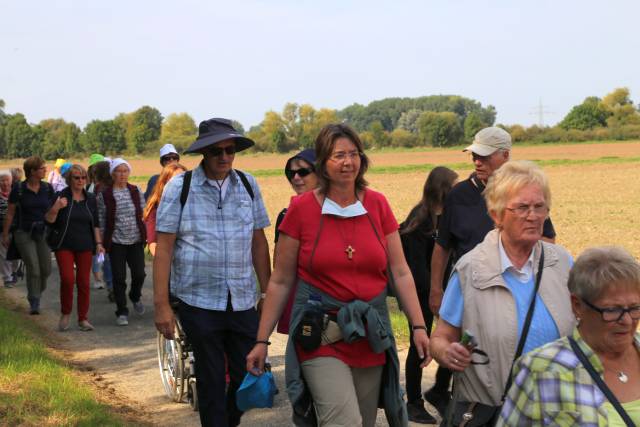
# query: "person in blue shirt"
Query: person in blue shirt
210,244
493,285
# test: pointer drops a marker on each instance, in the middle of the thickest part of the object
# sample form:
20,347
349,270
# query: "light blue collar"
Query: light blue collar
329,207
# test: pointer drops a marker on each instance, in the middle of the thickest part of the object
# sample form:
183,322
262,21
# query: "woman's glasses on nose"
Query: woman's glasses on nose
79,177
302,172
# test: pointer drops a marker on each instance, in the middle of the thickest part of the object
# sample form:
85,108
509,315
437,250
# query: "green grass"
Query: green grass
38,389
399,322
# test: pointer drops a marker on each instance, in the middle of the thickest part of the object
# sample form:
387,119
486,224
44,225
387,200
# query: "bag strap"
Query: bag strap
186,185
600,383
245,182
527,323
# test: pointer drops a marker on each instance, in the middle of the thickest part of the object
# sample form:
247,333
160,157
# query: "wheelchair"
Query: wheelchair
177,370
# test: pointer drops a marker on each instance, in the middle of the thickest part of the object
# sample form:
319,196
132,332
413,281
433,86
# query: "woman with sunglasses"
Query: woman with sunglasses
553,385
74,237
301,174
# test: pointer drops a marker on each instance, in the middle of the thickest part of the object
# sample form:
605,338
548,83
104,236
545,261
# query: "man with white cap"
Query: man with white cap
210,233
465,221
168,155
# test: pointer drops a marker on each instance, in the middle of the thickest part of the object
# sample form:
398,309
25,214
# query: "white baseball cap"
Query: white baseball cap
489,140
167,149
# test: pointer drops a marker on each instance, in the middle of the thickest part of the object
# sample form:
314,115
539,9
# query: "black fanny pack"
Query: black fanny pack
474,414
309,331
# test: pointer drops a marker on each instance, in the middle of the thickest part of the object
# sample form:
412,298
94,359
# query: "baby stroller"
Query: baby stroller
176,362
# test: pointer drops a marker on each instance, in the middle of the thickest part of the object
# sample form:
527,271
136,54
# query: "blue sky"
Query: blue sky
82,60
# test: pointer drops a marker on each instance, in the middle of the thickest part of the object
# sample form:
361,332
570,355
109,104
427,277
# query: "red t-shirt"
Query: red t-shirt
362,277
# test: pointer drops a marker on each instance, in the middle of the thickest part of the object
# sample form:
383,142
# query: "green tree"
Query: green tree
590,114
472,124
178,129
103,136
20,138
145,127
404,138
409,120
380,137
440,129
619,97
61,139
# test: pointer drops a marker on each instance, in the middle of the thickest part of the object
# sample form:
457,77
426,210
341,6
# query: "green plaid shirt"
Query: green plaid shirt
551,387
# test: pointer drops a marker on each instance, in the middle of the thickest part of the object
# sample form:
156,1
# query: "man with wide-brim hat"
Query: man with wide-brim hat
209,244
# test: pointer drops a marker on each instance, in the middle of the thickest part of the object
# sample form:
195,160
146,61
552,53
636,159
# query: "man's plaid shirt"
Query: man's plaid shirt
551,387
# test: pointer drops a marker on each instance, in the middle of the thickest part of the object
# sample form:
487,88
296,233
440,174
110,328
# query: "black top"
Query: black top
77,221
418,248
465,221
278,222
32,206
79,235
150,184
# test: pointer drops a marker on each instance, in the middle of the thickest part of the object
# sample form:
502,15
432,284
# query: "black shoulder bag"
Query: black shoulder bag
475,414
600,383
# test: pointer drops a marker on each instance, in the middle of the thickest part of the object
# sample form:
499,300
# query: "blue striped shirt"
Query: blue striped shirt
212,252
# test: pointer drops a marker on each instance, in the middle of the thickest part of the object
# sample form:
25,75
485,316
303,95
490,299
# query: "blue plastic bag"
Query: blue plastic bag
256,391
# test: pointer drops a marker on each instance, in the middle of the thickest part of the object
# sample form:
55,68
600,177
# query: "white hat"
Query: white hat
117,162
167,149
489,140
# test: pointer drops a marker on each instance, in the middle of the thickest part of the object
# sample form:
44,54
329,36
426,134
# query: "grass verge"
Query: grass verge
399,323
38,389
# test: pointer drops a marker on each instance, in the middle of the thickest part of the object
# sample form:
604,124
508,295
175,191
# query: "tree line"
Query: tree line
437,120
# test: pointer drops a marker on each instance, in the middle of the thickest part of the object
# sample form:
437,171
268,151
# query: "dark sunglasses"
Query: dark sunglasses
78,177
217,151
170,158
290,173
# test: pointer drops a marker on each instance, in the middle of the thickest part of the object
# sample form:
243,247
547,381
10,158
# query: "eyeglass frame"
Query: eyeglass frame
622,311
342,156
79,177
530,208
302,172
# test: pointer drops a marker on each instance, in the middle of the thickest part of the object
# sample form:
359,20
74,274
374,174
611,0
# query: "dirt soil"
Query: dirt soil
121,362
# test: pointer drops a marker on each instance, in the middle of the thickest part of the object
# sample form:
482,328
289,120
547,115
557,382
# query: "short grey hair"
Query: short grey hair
599,270
5,172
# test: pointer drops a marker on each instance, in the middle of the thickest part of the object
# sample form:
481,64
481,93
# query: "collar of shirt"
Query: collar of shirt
524,274
200,178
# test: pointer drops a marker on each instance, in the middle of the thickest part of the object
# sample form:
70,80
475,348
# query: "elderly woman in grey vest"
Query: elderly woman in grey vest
124,236
507,296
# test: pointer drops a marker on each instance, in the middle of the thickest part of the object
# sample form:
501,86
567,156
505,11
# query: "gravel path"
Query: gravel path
124,358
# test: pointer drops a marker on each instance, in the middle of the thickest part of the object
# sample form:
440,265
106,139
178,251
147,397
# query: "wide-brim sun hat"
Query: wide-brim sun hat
488,140
217,130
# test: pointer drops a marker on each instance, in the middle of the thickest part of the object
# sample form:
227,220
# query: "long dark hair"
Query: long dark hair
438,184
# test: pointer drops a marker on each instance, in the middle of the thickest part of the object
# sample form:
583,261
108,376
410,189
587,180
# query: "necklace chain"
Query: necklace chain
349,249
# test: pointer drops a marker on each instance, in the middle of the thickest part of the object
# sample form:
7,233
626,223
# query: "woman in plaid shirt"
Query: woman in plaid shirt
551,386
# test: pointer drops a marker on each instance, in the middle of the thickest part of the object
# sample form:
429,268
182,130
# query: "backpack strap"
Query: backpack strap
186,185
245,182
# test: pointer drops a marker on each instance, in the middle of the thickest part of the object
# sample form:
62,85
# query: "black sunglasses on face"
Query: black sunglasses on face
302,172
170,158
217,151
78,177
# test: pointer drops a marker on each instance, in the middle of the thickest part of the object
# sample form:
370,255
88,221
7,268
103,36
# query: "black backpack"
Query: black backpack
186,185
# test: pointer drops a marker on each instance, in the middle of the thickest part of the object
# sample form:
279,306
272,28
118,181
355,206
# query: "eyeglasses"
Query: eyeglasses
615,314
79,177
522,211
341,156
170,158
217,151
302,172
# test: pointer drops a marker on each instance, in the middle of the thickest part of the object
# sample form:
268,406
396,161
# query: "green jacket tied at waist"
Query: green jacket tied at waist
356,319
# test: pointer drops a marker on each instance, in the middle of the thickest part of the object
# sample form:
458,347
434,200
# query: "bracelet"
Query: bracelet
98,243
265,342
416,327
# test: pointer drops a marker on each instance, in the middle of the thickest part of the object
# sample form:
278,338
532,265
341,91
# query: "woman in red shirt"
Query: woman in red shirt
339,240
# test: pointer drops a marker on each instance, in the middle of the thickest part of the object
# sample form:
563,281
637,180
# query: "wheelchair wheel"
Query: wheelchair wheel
171,363
193,396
